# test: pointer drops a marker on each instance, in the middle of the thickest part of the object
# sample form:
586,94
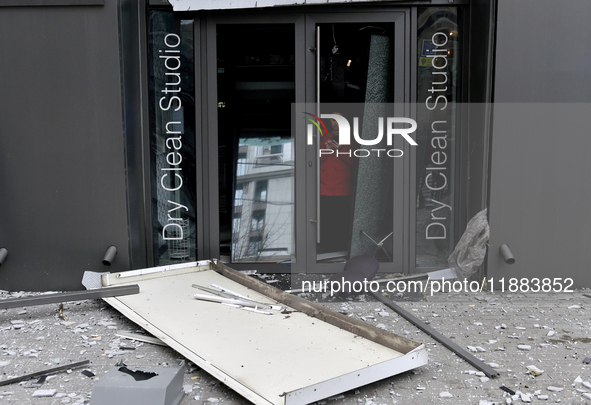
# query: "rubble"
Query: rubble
555,389
525,397
577,381
44,393
533,370
56,343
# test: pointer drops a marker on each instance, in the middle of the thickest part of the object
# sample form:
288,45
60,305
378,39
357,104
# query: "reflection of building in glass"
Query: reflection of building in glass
262,226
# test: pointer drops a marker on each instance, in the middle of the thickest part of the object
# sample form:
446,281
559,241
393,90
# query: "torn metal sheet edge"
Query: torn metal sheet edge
140,338
477,363
69,296
234,303
44,372
235,294
161,269
251,309
245,301
410,354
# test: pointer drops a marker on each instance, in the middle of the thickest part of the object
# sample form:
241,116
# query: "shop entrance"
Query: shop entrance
277,207
281,197
356,193
258,73
236,173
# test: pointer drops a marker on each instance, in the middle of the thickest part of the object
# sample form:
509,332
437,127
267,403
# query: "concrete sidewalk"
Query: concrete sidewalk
498,328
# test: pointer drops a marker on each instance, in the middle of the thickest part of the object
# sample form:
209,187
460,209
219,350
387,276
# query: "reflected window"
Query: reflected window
236,222
264,231
241,165
238,195
255,245
260,194
271,155
258,220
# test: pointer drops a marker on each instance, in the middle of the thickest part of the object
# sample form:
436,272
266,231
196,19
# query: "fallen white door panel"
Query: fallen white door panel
294,358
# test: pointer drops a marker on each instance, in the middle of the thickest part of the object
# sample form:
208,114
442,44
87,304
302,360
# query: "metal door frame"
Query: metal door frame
209,80
404,84
305,16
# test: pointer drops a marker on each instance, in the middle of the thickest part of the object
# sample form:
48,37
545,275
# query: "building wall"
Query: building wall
63,147
540,191
62,168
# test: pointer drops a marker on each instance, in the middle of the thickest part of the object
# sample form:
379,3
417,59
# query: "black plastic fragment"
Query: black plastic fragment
36,384
508,390
138,375
88,373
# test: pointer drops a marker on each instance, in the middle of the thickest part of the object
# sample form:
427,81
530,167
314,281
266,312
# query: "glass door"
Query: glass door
357,81
256,82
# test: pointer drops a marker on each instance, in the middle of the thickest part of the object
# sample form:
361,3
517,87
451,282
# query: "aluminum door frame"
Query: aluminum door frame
209,81
405,84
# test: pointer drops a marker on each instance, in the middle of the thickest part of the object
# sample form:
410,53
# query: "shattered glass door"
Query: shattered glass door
255,87
354,197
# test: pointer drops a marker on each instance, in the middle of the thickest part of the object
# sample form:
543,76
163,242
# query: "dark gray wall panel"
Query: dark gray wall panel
543,51
62,170
539,192
50,3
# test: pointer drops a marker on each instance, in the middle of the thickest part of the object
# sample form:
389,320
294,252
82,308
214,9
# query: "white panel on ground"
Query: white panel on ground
269,359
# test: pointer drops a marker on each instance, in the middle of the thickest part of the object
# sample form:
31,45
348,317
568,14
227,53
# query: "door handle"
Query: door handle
318,223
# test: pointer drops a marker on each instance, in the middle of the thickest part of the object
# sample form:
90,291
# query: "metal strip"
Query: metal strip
480,365
44,372
49,3
140,338
161,269
196,5
69,296
312,309
358,378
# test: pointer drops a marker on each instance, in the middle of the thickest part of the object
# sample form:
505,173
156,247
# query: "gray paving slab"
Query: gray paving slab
494,324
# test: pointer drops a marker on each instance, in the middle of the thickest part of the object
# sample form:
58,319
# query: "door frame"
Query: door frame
304,260
404,84
475,149
211,199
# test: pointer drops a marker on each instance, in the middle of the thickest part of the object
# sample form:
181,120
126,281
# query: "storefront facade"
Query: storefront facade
232,172
182,134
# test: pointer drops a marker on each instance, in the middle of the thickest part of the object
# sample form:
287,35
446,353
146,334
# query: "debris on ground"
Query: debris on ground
88,329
